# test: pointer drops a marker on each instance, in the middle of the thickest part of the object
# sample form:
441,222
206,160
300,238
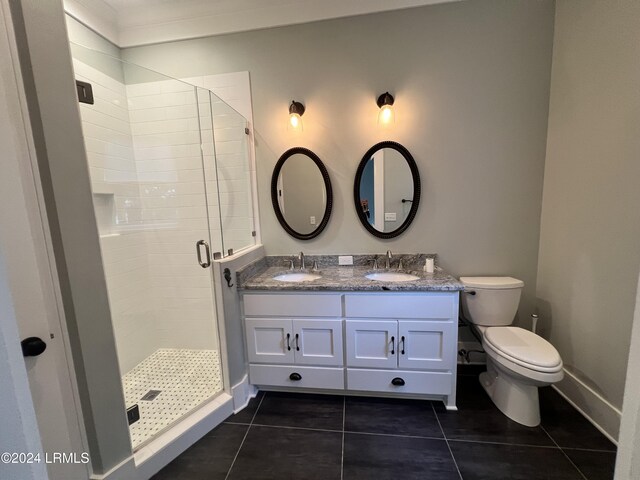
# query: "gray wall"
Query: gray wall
590,228
471,81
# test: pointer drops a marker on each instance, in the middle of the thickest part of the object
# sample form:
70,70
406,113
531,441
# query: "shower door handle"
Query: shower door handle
206,263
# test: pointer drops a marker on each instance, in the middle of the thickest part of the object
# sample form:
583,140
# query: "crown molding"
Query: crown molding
133,23
98,15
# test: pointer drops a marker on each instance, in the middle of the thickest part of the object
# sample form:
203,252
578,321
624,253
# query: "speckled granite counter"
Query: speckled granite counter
259,275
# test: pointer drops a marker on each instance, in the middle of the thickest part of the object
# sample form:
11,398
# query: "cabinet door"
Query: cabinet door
269,340
372,343
318,342
426,345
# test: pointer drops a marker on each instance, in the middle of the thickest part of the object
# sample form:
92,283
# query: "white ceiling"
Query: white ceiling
129,23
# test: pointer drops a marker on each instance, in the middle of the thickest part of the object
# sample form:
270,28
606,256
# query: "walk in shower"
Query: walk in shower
170,168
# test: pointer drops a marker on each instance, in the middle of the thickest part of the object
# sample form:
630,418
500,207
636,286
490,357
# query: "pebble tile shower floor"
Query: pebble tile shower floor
185,378
331,437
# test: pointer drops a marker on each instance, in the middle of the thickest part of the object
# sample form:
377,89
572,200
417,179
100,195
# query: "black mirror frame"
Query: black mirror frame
327,185
416,189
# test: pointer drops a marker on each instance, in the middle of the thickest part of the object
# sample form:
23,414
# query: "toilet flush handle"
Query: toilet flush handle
470,292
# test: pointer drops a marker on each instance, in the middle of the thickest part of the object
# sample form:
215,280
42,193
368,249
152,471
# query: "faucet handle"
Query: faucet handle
375,263
315,266
290,261
400,266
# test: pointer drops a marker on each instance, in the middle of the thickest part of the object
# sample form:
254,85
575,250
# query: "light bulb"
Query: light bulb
386,115
296,110
295,122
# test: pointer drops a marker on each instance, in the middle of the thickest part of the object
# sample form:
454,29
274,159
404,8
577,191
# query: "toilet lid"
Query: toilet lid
523,345
491,283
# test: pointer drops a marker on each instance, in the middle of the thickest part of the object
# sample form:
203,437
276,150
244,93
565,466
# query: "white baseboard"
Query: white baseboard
595,408
242,393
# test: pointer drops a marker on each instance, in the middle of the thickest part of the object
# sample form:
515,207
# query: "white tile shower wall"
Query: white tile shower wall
166,142
117,200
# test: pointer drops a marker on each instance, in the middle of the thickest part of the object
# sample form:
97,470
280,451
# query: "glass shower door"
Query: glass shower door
144,146
233,172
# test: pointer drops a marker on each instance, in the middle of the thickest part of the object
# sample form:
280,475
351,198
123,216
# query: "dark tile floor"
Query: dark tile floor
323,437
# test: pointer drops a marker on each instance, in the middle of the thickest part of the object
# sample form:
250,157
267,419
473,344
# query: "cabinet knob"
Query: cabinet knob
398,382
295,377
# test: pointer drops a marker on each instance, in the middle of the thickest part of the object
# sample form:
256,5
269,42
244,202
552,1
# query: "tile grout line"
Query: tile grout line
286,427
355,432
344,416
597,450
244,438
526,445
447,441
563,452
394,435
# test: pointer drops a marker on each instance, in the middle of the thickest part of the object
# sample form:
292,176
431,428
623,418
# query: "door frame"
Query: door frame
33,197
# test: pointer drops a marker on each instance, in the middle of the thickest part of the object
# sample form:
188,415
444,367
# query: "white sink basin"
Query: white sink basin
297,277
392,277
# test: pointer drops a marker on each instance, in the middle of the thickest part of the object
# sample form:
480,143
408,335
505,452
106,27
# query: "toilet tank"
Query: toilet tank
495,301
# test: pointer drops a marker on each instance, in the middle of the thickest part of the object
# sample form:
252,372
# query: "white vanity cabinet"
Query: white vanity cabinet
401,343
313,341
412,344
295,340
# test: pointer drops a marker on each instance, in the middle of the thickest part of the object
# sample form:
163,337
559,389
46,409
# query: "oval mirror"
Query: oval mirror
387,189
301,193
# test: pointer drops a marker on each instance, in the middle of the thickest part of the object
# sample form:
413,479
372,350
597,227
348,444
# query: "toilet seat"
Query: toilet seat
523,348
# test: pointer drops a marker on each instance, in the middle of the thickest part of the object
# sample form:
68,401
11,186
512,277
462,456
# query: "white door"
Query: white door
24,243
425,345
269,340
372,343
318,342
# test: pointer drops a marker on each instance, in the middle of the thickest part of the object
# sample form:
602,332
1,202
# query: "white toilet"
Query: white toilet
518,361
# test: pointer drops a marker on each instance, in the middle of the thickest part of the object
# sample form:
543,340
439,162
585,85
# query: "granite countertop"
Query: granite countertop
259,275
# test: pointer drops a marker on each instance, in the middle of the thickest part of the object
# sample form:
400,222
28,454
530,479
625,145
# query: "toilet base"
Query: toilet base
515,399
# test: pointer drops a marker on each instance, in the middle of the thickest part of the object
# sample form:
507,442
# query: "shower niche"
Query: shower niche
104,207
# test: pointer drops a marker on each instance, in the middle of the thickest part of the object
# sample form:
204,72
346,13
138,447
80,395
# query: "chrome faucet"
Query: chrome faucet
301,258
387,262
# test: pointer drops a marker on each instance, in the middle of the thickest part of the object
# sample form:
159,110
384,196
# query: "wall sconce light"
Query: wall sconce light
386,115
296,110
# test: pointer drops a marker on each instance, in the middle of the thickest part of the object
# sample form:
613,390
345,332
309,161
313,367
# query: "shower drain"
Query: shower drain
151,395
